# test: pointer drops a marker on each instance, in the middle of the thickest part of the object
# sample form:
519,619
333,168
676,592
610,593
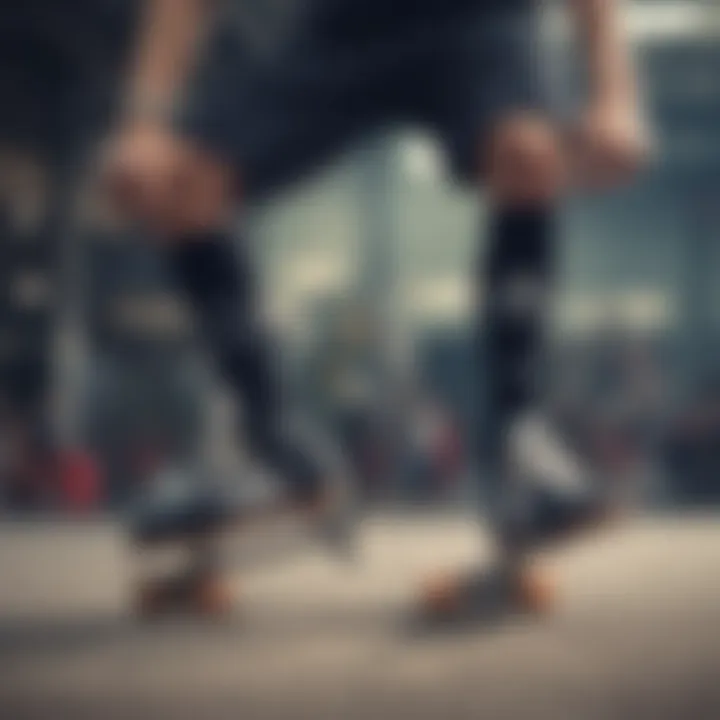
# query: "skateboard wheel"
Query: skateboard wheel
535,592
212,598
442,595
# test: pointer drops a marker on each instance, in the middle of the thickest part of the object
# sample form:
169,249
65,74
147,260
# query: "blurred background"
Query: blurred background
367,271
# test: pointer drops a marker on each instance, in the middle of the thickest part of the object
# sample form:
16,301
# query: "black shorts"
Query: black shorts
276,115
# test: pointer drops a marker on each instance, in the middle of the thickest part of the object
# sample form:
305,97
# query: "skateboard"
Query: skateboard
199,587
487,595
512,587
186,562
186,556
181,563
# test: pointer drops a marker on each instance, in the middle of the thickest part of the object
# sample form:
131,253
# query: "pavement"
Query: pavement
636,633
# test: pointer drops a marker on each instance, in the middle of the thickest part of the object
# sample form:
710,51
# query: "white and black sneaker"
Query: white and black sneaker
550,490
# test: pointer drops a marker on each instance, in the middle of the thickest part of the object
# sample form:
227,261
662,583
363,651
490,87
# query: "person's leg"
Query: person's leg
185,210
214,272
521,168
246,130
493,109
523,176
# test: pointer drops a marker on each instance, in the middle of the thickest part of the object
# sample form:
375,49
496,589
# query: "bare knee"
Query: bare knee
523,161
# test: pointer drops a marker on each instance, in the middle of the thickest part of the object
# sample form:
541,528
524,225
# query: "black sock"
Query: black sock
518,276
218,282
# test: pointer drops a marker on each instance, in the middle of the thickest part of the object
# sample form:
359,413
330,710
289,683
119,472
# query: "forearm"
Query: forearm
610,65
167,44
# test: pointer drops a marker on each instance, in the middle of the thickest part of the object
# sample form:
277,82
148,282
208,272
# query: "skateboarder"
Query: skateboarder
231,101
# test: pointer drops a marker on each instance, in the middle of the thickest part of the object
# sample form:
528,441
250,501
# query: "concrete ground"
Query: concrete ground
637,634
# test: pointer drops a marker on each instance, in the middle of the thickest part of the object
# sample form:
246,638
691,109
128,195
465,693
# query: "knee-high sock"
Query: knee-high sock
218,281
518,277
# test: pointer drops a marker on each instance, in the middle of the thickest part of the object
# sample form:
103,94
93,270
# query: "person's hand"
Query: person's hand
158,179
610,144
